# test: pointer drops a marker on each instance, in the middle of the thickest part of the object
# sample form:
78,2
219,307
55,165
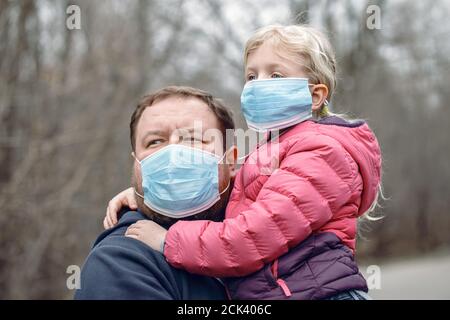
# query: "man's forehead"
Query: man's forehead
174,113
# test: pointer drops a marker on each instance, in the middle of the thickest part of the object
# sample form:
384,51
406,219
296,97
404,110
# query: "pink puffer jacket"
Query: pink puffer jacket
327,175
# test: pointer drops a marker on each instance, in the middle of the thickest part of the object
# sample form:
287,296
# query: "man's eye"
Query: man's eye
154,143
190,139
194,139
276,75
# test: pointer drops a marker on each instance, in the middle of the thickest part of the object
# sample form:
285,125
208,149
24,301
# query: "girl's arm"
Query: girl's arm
313,181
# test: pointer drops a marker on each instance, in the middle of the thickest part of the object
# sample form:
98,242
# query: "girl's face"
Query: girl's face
266,63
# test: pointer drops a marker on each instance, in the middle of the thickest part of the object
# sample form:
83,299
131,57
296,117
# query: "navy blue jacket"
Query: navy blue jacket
119,267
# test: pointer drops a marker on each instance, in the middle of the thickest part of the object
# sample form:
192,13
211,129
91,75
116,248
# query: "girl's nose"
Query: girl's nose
263,77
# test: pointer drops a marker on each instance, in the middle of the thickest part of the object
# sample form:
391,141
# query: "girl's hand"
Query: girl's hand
123,199
149,232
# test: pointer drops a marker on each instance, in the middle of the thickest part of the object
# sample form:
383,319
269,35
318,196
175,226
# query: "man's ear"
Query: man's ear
319,94
231,160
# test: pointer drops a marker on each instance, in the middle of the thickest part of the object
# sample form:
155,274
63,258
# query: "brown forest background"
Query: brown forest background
66,97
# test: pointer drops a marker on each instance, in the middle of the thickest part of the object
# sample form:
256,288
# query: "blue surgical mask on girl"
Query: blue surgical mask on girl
274,104
180,181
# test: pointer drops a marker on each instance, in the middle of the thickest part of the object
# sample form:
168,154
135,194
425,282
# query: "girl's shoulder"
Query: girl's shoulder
340,122
334,129
335,137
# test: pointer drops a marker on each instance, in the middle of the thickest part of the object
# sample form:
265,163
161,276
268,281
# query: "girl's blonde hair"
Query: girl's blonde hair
310,48
305,45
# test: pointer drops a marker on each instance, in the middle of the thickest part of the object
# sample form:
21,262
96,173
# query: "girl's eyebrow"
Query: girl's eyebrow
247,69
276,65
269,66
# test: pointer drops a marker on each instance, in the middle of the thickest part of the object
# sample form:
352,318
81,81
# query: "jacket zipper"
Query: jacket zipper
280,282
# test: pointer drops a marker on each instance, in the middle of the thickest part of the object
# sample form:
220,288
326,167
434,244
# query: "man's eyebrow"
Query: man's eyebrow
190,129
152,133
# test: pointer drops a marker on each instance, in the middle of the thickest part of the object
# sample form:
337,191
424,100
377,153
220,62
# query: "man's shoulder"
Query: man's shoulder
114,241
127,218
119,267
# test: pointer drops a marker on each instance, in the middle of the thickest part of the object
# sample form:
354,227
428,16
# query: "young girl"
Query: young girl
290,230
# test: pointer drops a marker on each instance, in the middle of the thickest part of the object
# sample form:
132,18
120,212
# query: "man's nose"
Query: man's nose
174,139
177,136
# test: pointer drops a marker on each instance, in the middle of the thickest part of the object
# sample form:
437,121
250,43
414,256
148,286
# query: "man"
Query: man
120,267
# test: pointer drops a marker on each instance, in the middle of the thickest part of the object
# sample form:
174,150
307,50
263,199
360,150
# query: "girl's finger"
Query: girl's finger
131,201
131,236
109,221
133,228
112,216
107,213
131,231
112,209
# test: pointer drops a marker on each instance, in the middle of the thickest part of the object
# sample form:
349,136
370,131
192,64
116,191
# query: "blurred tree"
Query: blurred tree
66,97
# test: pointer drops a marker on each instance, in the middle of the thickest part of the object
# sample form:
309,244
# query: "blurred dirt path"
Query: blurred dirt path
420,278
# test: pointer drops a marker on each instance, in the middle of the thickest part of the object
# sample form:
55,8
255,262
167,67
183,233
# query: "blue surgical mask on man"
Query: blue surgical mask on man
180,181
274,104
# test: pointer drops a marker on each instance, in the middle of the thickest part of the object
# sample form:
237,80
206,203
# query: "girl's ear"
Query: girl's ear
319,94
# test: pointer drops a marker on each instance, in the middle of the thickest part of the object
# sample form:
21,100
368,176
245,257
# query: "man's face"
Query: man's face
187,121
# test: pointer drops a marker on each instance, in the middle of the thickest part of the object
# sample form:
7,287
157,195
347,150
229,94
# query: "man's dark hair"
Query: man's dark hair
223,114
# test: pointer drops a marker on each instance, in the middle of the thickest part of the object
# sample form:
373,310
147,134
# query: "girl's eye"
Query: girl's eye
276,75
251,77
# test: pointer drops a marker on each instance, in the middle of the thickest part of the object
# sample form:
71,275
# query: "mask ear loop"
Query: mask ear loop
134,156
226,188
135,191
229,180
138,194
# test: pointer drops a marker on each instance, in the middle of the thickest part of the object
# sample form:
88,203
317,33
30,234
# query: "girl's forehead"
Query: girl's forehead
274,51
